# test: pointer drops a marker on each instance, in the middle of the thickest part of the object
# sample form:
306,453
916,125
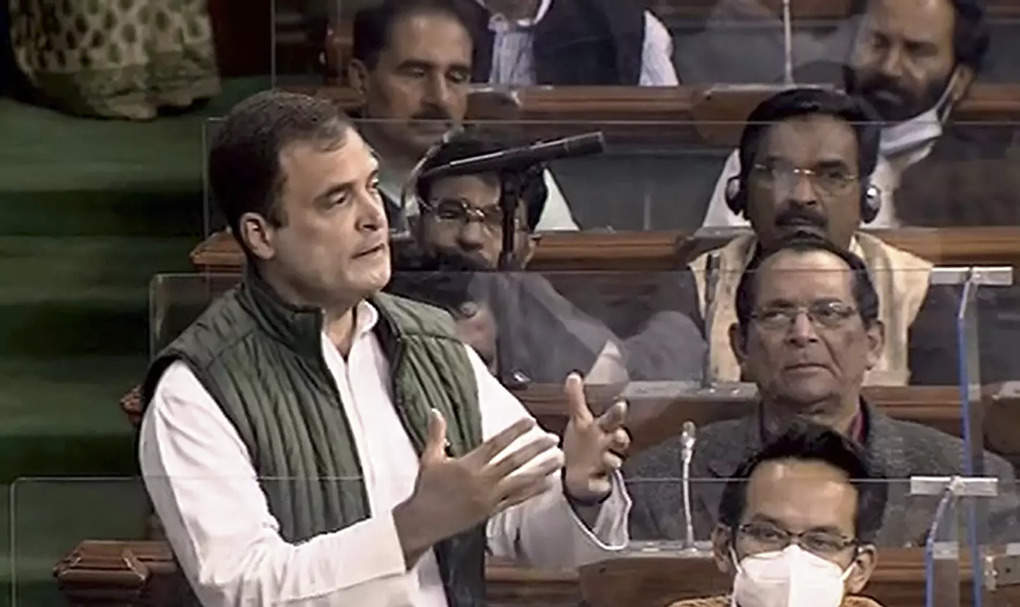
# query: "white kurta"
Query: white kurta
200,477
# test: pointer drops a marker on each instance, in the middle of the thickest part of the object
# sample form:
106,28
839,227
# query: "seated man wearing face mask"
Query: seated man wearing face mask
539,332
797,524
913,62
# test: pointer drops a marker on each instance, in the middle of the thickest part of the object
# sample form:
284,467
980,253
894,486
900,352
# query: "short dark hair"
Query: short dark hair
971,36
244,160
865,296
810,101
805,440
473,142
372,24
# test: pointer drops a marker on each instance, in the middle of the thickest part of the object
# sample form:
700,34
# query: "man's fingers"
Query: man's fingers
611,462
536,487
524,481
521,457
614,417
435,442
619,441
492,447
577,404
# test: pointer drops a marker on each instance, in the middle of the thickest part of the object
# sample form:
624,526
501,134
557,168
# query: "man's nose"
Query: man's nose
371,212
891,64
471,235
802,330
437,91
802,191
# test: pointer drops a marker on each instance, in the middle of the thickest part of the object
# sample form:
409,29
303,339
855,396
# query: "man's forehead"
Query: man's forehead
430,37
813,139
795,274
345,159
801,494
915,20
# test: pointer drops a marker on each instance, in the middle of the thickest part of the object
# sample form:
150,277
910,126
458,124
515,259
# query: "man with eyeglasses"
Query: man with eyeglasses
808,330
914,62
807,154
797,524
540,333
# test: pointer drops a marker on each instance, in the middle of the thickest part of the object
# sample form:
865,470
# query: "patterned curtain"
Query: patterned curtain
115,58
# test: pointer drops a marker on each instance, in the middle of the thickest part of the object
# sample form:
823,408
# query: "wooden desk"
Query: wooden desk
669,250
706,113
144,574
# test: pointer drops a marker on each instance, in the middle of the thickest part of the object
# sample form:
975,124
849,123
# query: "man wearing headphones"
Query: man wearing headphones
806,155
914,61
539,333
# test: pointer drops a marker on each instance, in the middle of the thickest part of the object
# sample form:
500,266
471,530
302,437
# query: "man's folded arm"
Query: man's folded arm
205,491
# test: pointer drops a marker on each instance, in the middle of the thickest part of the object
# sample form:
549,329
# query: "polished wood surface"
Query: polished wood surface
144,574
712,114
668,250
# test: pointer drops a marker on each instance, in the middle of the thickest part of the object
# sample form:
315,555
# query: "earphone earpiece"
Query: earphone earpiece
735,196
871,202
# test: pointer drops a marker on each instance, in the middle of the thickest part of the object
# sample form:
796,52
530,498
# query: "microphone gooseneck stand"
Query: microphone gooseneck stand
511,182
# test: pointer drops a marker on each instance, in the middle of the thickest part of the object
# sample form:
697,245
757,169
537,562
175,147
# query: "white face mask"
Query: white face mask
791,578
921,129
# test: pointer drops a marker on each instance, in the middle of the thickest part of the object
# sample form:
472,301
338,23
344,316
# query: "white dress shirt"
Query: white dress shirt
203,486
513,57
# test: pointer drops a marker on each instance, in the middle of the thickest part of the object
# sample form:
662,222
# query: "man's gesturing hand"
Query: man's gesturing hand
592,447
452,495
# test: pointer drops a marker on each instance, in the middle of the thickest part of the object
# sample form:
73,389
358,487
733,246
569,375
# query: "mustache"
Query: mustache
799,217
433,114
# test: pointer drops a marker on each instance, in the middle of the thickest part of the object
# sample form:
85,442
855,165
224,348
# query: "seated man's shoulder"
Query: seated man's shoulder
931,451
663,460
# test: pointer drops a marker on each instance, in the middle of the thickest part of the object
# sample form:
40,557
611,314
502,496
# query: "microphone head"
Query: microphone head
688,437
689,428
590,143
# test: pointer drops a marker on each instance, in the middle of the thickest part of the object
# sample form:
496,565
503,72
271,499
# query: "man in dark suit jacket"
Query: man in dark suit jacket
807,333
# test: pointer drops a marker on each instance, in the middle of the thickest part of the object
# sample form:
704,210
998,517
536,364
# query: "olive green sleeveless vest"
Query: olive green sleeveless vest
261,360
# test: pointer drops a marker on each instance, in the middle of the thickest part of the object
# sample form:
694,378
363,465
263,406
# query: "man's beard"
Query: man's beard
892,102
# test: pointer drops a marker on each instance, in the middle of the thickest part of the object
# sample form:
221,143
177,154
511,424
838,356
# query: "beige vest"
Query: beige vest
900,278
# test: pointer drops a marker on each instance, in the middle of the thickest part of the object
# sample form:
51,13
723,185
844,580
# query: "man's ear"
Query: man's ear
876,343
528,248
722,537
863,566
257,235
738,343
357,76
959,83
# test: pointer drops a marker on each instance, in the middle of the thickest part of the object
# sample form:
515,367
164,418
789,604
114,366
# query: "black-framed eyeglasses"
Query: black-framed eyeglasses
784,175
458,211
823,314
766,537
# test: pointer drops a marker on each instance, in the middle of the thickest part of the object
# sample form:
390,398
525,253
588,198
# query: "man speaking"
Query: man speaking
311,441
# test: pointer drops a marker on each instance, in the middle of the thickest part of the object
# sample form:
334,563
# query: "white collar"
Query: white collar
498,22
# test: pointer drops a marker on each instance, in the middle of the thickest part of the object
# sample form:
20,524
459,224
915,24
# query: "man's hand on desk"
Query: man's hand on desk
452,495
593,448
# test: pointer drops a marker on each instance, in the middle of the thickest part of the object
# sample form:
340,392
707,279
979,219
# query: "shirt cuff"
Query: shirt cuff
610,531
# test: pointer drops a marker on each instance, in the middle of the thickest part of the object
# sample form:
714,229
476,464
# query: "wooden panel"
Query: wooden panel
713,115
649,251
130,574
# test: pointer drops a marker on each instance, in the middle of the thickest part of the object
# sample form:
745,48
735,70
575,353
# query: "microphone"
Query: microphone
687,440
522,157
712,271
